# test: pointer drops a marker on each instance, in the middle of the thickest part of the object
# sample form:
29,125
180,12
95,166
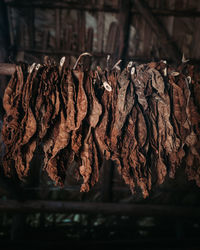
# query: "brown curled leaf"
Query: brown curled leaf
88,154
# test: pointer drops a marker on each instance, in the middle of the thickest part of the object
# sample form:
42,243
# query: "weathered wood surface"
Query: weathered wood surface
94,207
7,69
165,40
100,7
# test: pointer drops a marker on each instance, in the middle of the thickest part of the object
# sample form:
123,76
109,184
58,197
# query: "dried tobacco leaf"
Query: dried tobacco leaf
82,109
81,101
71,105
148,124
12,103
47,103
61,138
140,85
58,136
89,156
168,142
124,102
193,143
27,130
103,124
134,168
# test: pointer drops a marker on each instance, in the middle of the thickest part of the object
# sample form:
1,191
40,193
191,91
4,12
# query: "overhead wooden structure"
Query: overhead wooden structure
143,30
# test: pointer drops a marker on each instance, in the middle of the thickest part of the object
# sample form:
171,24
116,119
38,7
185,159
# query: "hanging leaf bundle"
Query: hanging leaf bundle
145,118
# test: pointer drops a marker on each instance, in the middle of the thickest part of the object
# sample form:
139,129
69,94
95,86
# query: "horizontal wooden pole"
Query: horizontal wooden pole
95,7
95,208
60,4
7,68
59,52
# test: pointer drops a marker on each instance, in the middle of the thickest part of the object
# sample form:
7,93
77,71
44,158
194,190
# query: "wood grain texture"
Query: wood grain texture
7,69
167,45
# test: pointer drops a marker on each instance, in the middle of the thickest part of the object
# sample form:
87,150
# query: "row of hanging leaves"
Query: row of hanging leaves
145,118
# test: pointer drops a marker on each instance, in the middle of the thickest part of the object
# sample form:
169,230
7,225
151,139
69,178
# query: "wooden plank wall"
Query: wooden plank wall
66,28
184,31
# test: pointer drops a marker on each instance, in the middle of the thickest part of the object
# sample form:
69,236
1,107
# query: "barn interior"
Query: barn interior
151,35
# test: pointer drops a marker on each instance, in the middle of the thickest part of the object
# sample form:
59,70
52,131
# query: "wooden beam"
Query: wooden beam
7,69
95,8
33,206
60,4
167,44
